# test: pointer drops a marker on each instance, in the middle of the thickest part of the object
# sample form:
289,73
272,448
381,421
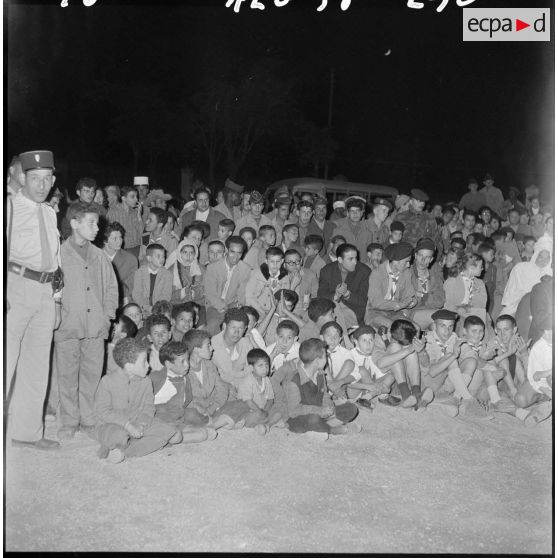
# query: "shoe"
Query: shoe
425,398
261,429
88,429
102,452
116,455
211,434
67,432
539,413
365,404
42,444
316,436
390,400
471,408
411,401
503,406
449,406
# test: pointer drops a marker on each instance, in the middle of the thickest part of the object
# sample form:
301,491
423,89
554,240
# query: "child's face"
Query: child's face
183,322
530,246
248,238
131,199
291,235
331,337
469,222
134,313
495,224
269,238
114,241
444,328
396,236
285,339
138,368
474,333
159,335
488,256
180,366
87,227
215,252
151,223
206,350
283,212
274,264
156,259
223,233
504,331
188,254
261,368
310,251
365,343
195,237
256,209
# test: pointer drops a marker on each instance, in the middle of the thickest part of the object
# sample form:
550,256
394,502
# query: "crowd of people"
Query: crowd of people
143,321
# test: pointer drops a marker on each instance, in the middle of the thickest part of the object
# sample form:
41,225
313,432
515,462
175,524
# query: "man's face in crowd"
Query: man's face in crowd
473,187
320,212
437,210
513,217
380,212
444,329
417,205
469,222
486,215
256,209
234,253
349,260
151,223
355,214
305,215
447,216
215,252
86,193
504,331
112,196
234,331
423,258
283,212
202,201
400,265
37,184
131,199
114,241
87,227
159,335
375,257
488,183
143,190
274,264
396,236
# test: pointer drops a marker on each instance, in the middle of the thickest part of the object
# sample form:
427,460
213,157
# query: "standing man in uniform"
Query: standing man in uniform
33,251
230,208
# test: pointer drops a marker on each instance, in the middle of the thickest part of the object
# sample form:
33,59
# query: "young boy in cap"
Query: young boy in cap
125,409
89,302
255,217
390,293
377,221
442,374
396,230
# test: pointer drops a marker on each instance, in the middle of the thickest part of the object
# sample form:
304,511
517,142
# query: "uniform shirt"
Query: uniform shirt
248,220
360,359
132,223
281,358
337,358
250,390
25,246
436,348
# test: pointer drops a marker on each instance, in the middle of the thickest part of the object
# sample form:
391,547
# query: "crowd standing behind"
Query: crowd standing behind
170,323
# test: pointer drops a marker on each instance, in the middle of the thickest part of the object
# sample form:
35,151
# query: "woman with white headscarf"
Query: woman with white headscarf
523,277
187,277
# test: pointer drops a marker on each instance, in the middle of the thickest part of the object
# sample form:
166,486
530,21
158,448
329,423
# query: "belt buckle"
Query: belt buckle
44,277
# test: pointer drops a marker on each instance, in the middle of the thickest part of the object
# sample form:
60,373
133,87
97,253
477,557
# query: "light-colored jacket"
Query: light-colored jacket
142,284
214,282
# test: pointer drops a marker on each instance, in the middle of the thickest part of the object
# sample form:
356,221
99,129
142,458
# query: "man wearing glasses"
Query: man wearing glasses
303,281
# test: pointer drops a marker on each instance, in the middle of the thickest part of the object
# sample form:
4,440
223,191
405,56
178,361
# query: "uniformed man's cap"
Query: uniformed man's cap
397,226
141,180
234,186
398,251
338,204
425,244
384,202
283,199
355,198
419,195
36,160
444,315
256,197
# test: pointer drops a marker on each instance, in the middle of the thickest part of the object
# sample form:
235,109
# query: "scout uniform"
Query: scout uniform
33,257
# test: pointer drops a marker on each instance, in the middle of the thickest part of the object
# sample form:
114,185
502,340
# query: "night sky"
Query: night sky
432,113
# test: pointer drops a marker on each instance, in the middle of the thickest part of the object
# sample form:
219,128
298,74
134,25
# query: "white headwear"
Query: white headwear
338,204
138,180
176,256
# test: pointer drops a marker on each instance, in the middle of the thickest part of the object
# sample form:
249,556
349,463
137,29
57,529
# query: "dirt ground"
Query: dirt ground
410,482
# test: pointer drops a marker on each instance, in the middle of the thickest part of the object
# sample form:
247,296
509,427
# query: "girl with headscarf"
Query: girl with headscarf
187,277
523,277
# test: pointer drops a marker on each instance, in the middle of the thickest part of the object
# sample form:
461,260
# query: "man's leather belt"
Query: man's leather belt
40,276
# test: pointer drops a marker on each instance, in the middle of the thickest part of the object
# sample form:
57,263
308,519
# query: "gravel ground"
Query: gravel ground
410,482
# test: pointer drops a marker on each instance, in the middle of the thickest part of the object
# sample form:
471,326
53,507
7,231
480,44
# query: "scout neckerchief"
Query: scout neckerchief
469,284
393,286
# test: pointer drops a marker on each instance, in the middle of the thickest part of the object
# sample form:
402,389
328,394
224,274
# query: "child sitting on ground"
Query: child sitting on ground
320,311
173,392
122,328
152,281
160,308
209,405
158,328
310,408
125,409
183,319
256,391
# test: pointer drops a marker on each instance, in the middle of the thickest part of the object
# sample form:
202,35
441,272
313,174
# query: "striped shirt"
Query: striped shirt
131,222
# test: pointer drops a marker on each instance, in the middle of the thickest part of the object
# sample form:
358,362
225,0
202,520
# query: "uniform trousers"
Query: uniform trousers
29,327
154,438
79,363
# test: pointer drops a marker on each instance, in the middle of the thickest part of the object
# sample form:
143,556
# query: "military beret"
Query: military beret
256,197
36,160
425,244
233,186
139,180
419,195
444,314
398,251
384,202
397,226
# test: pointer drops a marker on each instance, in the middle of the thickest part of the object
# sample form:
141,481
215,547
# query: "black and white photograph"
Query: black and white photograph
278,276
